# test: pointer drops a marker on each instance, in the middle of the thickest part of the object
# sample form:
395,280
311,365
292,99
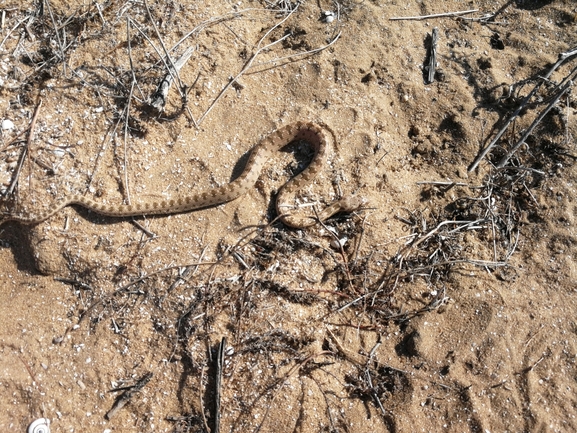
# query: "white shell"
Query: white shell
41,425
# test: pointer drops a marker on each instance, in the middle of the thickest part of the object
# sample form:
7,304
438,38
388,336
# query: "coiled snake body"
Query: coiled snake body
307,131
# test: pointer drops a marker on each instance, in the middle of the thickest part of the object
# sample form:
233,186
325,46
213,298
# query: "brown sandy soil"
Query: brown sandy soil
452,304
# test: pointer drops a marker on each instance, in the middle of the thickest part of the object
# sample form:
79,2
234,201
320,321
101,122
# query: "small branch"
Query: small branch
125,159
76,283
11,30
562,57
248,63
202,411
304,53
460,226
432,56
218,384
26,150
447,184
166,52
60,44
529,130
442,15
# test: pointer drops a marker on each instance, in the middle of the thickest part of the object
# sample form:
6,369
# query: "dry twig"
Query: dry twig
561,59
25,152
432,66
564,89
441,15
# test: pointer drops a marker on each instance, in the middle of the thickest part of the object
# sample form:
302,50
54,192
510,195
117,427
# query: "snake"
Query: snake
309,132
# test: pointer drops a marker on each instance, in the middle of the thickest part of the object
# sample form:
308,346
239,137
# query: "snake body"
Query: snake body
307,131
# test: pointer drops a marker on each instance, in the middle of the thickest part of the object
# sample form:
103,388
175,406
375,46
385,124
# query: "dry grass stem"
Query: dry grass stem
26,150
259,49
441,15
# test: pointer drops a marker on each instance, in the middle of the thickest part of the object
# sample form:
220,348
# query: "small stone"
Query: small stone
339,244
328,16
7,124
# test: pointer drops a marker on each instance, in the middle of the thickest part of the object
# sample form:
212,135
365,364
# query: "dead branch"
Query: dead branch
561,59
564,89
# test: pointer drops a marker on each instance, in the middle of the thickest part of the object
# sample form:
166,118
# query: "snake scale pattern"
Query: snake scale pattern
306,131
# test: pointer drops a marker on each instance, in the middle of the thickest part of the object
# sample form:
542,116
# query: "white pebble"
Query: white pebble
328,16
340,243
7,124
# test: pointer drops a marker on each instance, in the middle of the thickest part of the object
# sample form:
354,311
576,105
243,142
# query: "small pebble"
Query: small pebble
340,243
7,124
328,16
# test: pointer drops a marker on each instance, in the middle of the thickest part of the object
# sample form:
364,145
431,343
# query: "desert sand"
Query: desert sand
447,303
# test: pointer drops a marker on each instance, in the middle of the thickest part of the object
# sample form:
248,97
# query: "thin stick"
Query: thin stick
130,59
374,393
529,130
189,271
168,67
201,401
218,384
447,184
490,16
219,19
433,56
17,171
60,44
460,226
249,62
567,120
108,138
127,115
172,69
561,59
304,53
26,150
147,232
166,53
442,15
11,30
163,58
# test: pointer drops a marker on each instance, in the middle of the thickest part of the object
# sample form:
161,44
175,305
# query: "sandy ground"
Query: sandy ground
450,306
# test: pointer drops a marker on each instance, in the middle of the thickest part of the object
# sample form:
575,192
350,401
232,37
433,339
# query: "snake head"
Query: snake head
351,203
